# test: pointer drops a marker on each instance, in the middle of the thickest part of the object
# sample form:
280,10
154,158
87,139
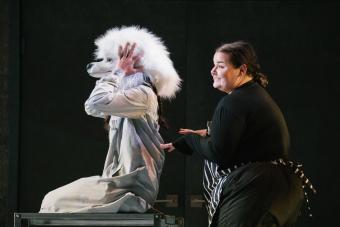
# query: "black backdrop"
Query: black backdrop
297,45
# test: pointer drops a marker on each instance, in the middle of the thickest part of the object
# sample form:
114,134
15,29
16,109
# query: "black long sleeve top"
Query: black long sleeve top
247,125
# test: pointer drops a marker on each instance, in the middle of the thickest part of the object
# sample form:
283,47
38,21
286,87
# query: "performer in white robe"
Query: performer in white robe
130,179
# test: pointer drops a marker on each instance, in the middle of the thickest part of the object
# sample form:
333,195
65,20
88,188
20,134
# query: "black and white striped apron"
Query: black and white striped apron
214,179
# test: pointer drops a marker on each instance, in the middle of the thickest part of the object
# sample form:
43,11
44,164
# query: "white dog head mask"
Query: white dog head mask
155,57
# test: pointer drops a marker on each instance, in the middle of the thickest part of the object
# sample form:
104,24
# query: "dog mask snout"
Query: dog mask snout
88,66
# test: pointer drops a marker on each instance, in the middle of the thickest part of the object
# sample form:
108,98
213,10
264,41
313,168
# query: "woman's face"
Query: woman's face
225,75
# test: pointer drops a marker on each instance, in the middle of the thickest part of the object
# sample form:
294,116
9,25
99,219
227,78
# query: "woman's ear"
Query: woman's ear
243,70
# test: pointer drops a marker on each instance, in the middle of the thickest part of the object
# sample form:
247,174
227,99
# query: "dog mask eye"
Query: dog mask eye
109,59
98,60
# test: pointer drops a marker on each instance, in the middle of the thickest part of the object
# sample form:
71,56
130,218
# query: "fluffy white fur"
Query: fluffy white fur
155,57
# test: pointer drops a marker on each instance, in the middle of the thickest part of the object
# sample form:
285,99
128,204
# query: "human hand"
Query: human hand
168,146
128,61
200,132
186,131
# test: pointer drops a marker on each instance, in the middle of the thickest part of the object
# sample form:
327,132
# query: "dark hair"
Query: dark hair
240,53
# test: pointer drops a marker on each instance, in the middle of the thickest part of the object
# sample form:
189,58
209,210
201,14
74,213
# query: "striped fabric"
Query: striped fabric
214,179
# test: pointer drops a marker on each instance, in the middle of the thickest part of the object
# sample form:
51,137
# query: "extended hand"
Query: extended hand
200,132
127,62
168,146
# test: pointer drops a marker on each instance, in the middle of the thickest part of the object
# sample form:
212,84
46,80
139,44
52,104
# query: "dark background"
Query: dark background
47,140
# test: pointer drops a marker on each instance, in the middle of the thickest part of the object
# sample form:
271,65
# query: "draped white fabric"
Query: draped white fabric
130,179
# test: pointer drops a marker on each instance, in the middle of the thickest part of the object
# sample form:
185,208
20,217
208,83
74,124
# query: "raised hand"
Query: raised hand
128,61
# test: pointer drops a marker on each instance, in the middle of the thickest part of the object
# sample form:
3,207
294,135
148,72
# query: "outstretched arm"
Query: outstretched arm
220,147
200,132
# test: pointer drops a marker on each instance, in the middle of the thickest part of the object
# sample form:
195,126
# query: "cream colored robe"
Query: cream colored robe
130,179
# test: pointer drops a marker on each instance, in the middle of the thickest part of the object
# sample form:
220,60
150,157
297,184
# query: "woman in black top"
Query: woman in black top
247,179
